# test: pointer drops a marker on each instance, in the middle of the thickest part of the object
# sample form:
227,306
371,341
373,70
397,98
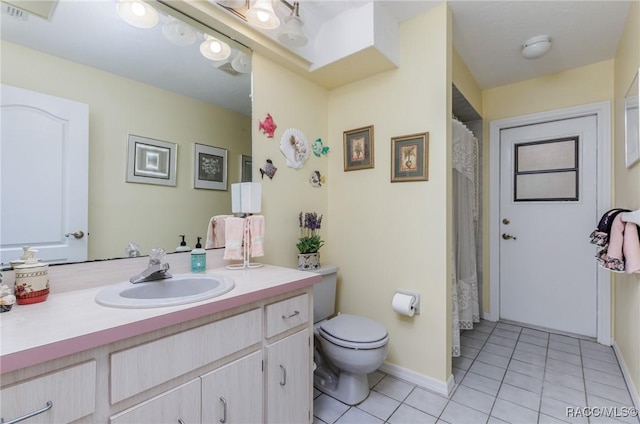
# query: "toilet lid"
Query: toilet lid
354,329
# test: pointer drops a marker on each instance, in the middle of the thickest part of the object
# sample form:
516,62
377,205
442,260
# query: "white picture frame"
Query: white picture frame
151,161
209,167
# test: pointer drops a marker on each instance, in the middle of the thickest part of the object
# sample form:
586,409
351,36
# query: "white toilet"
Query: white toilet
349,348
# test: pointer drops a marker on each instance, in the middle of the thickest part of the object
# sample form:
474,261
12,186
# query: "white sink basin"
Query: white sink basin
179,290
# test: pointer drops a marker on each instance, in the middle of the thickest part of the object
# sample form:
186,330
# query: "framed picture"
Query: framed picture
410,158
210,167
358,149
245,169
151,161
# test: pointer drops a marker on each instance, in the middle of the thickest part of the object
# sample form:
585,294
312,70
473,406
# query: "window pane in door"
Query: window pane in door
547,155
546,186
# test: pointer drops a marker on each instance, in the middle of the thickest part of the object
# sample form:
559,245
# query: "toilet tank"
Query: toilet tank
324,293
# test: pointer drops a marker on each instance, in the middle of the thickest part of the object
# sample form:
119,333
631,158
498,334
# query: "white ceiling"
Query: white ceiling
487,34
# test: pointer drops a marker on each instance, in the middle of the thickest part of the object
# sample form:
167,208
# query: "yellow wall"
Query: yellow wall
627,194
466,83
121,212
387,236
293,102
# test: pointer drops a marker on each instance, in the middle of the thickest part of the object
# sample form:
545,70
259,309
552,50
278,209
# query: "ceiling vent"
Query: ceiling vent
41,8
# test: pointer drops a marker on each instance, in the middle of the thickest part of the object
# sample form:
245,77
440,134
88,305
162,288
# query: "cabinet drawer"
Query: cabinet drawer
286,314
72,391
181,404
142,367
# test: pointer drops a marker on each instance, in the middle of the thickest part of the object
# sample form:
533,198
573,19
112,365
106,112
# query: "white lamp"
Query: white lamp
292,35
261,14
178,33
536,47
246,197
242,63
214,49
137,13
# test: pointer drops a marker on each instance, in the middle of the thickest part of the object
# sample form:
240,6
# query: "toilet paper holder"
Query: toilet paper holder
416,295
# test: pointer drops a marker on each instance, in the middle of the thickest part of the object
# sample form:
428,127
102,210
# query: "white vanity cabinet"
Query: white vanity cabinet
288,357
233,393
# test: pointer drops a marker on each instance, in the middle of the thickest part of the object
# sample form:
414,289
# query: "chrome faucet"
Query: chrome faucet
157,269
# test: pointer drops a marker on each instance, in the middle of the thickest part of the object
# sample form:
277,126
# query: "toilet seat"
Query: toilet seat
354,332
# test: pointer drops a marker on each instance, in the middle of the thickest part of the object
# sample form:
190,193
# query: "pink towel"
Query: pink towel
256,235
234,233
215,232
631,248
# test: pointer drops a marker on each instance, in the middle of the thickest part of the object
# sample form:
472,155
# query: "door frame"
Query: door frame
602,112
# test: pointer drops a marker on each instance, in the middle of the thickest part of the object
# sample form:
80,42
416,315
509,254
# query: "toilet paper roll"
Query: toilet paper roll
404,304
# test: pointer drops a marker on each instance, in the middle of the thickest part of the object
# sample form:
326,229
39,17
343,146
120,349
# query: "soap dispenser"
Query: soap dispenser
183,245
198,258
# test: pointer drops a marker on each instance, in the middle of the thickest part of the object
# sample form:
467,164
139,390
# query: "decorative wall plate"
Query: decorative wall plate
295,147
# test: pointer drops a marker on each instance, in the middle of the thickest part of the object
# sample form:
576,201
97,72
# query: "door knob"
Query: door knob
77,234
508,236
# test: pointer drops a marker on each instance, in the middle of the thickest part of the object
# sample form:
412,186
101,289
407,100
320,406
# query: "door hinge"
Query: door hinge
262,365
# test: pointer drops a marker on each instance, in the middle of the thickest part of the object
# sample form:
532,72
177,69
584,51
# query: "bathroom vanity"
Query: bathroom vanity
243,357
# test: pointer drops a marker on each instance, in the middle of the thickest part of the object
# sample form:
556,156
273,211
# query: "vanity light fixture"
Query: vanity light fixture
178,32
292,34
137,13
536,47
214,49
241,63
261,15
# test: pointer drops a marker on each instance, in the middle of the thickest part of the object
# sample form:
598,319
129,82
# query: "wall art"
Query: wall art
358,149
410,158
295,147
151,161
210,167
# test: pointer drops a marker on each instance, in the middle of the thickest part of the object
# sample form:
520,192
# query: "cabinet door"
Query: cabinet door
180,405
289,380
233,393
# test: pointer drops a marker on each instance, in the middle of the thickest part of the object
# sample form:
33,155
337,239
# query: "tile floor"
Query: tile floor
506,374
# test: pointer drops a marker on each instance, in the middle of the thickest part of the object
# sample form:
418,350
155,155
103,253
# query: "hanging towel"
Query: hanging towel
215,232
234,233
631,248
256,235
611,256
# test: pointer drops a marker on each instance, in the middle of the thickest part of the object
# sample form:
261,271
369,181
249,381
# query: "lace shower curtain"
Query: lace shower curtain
464,295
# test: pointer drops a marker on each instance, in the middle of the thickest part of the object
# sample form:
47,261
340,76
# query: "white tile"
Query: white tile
530,358
519,396
494,420
564,357
408,415
493,359
478,335
536,340
523,381
461,362
502,341
328,409
455,413
469,352
587,344
474,399
458,374
531,348
498,350
564,347
358,416
317,420
546,419
374,378
394,388
510,327
599,402
479,382
526,368
602,366
512,413
564,339
555,365
488,370
506,334
558,409
607,392
566,394
469,342
431,403
609,379
535,333
571,381
379,405
601,356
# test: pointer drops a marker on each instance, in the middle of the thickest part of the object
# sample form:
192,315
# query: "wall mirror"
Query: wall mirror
152,83
632,124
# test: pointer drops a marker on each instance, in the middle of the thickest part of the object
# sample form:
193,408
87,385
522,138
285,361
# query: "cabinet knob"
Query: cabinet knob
224,410
284,375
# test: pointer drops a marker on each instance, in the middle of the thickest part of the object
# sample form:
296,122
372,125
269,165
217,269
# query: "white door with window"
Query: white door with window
44,148
547,209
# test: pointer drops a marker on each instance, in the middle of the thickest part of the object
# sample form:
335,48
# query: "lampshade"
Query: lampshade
178,32
536,47
246,197
291,34
261,14
137,13
214,49
241,63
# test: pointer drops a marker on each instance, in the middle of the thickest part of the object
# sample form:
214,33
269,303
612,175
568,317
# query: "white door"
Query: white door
44,148
548,208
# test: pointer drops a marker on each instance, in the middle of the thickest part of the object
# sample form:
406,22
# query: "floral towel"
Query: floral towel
234,233
256,235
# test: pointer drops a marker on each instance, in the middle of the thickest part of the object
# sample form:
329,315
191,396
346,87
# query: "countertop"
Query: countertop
71,322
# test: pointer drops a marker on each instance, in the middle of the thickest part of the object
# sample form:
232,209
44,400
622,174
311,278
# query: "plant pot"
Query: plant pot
308,261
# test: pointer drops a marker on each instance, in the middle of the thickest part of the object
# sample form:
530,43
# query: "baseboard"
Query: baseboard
633,390
425,382
489,317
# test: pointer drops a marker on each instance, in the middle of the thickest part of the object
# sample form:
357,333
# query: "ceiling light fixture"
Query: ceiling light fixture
536,47
137,13
178,32
292,34
214,49
261,15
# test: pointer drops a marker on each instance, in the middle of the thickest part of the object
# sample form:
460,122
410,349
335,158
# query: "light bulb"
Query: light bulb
138,9
215,47
262,16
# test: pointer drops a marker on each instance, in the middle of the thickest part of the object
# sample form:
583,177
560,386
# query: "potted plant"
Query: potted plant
309,242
